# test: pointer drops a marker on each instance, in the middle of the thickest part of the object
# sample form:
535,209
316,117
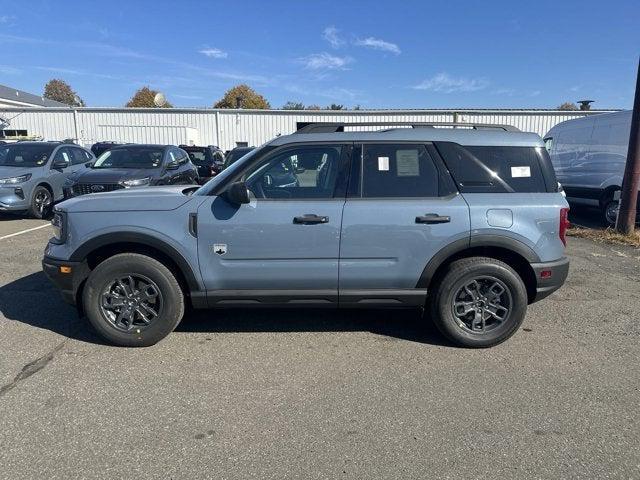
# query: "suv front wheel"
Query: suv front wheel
479,302
133,300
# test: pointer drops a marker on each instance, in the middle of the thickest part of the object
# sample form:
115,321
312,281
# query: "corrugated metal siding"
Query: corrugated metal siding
252,126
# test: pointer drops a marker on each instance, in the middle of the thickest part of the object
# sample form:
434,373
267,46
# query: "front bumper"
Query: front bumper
550,276
67,283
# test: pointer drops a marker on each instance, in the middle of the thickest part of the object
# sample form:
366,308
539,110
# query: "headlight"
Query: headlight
59,227
15,180
138,182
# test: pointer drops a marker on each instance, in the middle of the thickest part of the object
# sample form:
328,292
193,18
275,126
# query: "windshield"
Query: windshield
208,187
21,155
198,157
234,155
149,157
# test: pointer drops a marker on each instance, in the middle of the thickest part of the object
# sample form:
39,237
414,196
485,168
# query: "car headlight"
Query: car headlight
58,222
138,182
15,180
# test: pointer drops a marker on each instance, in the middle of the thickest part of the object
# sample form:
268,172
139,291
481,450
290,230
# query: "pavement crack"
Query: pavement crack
30,368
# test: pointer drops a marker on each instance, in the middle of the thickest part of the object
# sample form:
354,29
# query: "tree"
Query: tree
313,107
143,98
61,91
568,106
242,96
335,106
293,106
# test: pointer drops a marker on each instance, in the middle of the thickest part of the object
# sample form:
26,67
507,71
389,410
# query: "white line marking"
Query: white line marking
25,231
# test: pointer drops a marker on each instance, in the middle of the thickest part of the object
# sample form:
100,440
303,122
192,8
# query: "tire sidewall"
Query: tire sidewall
448,323
33,210
110,269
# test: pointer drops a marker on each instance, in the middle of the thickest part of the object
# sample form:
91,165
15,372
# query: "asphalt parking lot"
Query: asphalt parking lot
322,394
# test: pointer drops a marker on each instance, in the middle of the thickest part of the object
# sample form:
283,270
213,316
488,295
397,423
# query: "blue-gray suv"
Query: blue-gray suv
465,222
33,174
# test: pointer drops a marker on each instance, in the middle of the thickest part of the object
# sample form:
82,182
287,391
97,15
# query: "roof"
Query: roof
15,95
463,136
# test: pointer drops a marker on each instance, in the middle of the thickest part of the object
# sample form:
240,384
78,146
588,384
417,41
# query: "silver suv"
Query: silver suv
32,174
466,222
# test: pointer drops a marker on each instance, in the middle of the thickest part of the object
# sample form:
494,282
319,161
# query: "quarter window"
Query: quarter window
397,170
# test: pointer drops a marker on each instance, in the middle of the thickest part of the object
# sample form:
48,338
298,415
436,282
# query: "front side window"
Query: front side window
147,157
79,156
22,155
396,170
302,172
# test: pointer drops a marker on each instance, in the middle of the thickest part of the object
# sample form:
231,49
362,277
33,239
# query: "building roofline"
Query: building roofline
316,112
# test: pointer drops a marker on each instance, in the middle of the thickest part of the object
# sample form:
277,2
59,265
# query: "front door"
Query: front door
402,208
283,246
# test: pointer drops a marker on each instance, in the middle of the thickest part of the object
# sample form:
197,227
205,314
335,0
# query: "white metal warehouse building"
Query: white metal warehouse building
229,128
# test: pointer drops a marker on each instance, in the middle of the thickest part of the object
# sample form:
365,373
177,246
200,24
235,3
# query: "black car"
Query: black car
236,154
132,165
208,160
100,147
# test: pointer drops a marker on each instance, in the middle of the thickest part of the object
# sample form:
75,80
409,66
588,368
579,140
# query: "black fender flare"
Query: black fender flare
475,241
82,252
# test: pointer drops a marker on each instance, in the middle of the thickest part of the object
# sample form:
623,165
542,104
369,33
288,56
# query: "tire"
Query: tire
451,297
41,202
609,212
139,280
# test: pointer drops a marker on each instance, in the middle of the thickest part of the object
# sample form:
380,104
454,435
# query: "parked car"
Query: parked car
100,147
589,156
236,154
130,165
467,223
208,160
32,174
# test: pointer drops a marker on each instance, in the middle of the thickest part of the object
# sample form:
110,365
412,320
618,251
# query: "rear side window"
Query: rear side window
397,170
494,169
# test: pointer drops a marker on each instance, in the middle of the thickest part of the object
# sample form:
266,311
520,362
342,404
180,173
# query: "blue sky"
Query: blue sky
400,54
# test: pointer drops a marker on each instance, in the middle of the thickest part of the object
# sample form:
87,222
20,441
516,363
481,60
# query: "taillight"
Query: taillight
564,225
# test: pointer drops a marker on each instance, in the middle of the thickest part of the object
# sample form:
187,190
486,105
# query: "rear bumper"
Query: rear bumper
67,283
550,276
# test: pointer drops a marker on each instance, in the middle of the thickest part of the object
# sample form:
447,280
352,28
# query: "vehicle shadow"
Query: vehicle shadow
32,300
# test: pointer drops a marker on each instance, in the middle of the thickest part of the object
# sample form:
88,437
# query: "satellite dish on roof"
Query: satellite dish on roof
159,100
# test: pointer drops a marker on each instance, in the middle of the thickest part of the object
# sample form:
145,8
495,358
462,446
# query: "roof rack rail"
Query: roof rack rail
331,127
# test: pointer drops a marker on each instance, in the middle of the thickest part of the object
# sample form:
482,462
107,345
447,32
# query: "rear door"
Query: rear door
402,208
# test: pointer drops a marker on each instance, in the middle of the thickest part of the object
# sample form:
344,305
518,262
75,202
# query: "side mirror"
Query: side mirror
59,164
237,193
173,165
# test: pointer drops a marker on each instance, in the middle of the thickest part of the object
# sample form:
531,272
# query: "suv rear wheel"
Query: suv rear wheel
479,302
133,300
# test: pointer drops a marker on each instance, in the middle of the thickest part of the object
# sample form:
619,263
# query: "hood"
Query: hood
8,172
130,199
112,175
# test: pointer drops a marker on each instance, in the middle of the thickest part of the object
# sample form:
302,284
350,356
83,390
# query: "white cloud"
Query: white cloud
6,18
330,34
378,44
445,83
324,60
213,53
9,70
535,93
575,88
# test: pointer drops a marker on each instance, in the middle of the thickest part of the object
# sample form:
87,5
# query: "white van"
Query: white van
589,155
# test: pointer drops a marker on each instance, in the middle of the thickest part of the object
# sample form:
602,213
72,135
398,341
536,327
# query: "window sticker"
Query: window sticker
520,172
407,163
383,164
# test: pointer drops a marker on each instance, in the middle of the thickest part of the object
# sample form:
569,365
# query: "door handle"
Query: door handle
310,219
431,218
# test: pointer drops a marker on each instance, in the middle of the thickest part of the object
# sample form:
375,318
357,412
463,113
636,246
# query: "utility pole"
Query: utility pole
631,182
